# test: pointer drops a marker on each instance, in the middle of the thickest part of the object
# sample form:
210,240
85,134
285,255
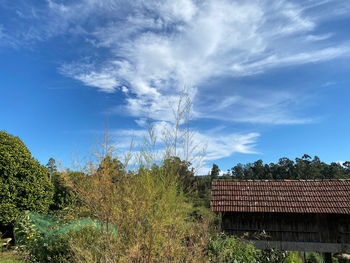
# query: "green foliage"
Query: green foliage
272,256
24,183
63,196
45,238
10,256
294,257
87,245
40,238
51,166
223,248
113,166
313,257
152,216
174,166
303,168
214,173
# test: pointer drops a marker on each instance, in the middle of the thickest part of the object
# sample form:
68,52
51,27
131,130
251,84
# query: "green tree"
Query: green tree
24,183
63,196
259,170
51,167
347,167
238,171
286,168
113,167
214,173
175,166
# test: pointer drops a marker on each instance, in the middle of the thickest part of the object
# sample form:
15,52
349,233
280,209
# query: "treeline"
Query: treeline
302,168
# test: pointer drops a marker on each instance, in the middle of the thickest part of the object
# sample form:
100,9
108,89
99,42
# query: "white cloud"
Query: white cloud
102,79
160,46
318,37
217,145
274,61
263,107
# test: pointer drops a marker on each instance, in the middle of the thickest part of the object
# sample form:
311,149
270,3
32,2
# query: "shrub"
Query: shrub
41,239
63,197
24,183
152,217
222,248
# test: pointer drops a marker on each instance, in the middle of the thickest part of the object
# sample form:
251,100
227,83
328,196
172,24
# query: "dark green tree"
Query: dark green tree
214,173
285,169
347,167
303,168
24,183
259,170
238,171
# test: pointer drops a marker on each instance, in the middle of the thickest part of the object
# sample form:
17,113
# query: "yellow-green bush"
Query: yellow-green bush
152,217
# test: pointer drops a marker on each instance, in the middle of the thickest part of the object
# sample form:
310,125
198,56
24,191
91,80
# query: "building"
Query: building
295,215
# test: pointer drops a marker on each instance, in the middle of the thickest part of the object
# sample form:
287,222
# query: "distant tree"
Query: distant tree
347,167
51,167
24,183
317,167
214,173
259,170
336,171
286,168
113,167
176,166
303,168
238,171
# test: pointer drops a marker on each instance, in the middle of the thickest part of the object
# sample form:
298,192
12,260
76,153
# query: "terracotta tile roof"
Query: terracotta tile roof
281,196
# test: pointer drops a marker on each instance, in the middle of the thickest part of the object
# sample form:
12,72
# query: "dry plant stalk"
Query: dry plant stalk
143,217
179,138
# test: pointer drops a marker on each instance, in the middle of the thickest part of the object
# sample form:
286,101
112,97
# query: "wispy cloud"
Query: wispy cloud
152,49
217,143
160,46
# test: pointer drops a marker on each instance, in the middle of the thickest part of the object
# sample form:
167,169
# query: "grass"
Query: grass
9,256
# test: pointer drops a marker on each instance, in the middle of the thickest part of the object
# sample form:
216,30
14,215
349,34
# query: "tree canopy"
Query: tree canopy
24,183
305,167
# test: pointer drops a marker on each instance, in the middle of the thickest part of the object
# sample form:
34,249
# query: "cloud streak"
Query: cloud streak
158,47
153,49
218,143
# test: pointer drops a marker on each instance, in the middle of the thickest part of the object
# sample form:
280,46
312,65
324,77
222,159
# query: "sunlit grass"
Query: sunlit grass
9,256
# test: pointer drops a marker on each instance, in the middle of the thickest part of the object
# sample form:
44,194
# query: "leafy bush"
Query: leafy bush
41,243
63,197
46,238
222,248
271,255
294,257
24,183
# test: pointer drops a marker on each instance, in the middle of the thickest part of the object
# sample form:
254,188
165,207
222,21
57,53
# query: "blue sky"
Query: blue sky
267,79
